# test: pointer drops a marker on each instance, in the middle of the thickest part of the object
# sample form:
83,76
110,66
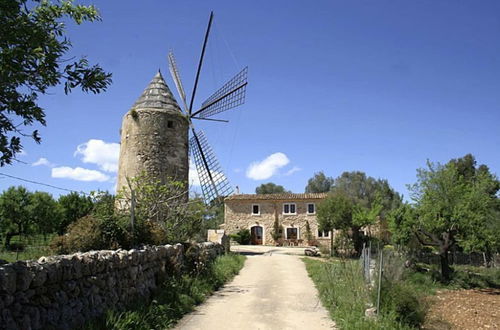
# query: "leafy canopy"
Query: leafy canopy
270,188
319,183
33,44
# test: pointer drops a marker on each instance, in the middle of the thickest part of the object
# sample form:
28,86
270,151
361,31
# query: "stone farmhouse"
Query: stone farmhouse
258,213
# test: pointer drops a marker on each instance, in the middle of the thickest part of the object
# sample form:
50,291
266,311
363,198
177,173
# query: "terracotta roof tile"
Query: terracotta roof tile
284,196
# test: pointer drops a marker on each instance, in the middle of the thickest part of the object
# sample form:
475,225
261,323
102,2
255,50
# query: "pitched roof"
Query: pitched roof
157,96
283,196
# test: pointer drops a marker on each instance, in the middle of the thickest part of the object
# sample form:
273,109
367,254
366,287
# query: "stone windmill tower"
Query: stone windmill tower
155,132
154,137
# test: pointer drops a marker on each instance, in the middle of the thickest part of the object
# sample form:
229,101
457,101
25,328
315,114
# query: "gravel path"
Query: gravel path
272,291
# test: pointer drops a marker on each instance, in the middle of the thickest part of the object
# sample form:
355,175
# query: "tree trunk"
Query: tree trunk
489,257
445,245
8,237
445,267
356,240
331,243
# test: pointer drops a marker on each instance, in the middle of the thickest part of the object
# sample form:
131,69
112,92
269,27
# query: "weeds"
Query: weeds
176,297
343,292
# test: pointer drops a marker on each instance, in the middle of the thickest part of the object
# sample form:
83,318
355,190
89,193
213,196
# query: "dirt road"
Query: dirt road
272,291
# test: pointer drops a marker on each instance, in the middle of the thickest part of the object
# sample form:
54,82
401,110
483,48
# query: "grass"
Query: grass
344,294
463,277
35,246
176,297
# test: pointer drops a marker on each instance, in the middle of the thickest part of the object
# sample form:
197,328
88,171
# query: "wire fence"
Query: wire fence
26,247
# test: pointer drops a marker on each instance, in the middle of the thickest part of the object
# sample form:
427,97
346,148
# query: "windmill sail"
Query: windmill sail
214,183
174,72
231,95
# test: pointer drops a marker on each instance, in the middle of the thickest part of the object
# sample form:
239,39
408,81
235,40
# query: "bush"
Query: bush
82,235
242,237
401,301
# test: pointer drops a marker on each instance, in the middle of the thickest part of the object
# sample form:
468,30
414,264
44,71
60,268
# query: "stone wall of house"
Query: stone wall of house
238,215
63,292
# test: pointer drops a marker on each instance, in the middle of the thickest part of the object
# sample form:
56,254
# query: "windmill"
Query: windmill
214,183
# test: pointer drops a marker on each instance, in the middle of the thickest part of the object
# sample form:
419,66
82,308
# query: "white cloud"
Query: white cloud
79,174
194,179
104,154
43,162
22,153
293,170
268,167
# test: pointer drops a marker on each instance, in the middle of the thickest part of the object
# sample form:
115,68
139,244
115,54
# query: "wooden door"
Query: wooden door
256,235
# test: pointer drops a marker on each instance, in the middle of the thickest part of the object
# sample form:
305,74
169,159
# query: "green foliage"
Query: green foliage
400,301
175,297
319,183
83,235
335,212
270,188
45,212
342,245
163,204
242,237
33,45
34,246
455,203
73,207
343,292
15,213
367,192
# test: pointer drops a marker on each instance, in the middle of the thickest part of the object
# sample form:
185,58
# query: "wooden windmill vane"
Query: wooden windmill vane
214,183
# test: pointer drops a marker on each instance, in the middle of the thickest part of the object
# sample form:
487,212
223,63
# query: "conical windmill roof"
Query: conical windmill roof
157,96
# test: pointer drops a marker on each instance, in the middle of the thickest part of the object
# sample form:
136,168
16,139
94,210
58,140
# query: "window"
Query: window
255,209
289,208
311,208
170,124
323,234
292,233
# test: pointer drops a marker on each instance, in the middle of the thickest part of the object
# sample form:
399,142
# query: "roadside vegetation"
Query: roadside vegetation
454,209
403,304
176,297
34,224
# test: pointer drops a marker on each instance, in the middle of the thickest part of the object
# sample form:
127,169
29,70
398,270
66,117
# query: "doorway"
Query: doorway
256,237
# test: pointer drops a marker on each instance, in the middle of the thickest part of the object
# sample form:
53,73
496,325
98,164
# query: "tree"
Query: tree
371,198
270,188
319,183
73,207
44,212
33,44
14,213
335,212
365,190
454,205
162,204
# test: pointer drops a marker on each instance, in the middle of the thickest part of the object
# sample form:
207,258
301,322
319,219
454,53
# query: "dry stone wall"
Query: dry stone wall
62,292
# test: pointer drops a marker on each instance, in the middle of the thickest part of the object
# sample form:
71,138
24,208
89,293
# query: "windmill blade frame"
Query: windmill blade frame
214,183
174,72
230,95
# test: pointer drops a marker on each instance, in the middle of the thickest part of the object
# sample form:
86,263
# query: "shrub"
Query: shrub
242,237
401,300
82,235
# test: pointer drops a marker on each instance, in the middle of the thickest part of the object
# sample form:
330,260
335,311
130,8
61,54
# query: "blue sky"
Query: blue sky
376,86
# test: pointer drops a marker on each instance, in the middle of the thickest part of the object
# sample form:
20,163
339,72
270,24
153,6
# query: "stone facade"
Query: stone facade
239,214
62,292
154,137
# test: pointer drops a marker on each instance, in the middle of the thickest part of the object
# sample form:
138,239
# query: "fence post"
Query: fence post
381,252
